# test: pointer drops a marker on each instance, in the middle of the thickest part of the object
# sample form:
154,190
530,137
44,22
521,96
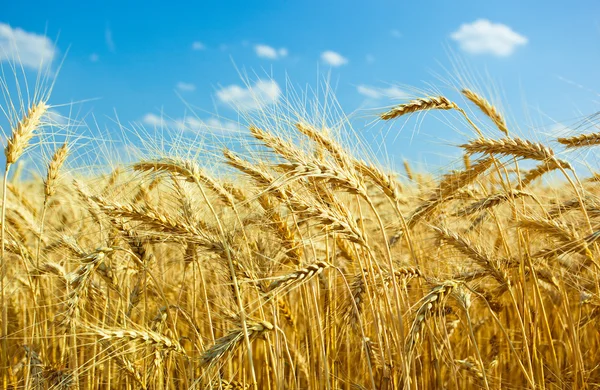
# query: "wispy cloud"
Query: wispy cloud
30,49
370,58
197,45
396,33
192,123
266,51
334,59
186,87
94,57
485,37
153,120
380,93
108,38
255,97
213,125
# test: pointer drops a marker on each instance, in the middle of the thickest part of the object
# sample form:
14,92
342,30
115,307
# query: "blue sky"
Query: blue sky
141,59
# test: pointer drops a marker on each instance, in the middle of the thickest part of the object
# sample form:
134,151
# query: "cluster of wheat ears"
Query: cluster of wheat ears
308,268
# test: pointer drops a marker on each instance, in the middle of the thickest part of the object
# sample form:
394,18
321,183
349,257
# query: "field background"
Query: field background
294,263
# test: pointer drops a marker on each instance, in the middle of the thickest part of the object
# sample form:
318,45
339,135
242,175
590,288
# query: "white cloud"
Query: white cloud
485,37
369,92
211,124
186,87
396,34
379,93
94,57
153,120
29,49
255,97
108,38
191,123
198,46
334,59
266,51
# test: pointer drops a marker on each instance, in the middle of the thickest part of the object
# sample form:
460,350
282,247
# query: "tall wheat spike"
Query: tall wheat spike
15,146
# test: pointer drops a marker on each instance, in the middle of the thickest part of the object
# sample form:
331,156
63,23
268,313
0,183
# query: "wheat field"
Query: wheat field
304,266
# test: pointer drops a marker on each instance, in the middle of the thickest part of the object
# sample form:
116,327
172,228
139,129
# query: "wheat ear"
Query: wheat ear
488,109
299,276
421,104
190,171
58,159
543,168
473,251
510,147
432,301
228,343
24,131
338,153
579,141
489,202
147,337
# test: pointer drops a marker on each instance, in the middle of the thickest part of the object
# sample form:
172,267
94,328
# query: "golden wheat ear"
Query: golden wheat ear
421,104
58,159
582,140
510,147
24,132
488,109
